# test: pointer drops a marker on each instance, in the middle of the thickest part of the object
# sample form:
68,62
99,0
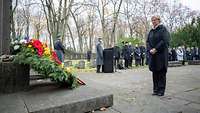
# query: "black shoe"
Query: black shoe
154,93
160,94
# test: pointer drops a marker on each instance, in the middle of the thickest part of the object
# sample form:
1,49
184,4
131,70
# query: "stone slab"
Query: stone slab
194,62
174,63
68,63
52,99
12,103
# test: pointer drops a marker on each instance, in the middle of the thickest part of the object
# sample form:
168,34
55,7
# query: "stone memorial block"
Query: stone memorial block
81,64
68,63
5,13
174,63
93,63
194,62
13,77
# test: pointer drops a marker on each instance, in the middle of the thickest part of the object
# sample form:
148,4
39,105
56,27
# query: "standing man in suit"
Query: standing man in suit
99,55
158,43
126,55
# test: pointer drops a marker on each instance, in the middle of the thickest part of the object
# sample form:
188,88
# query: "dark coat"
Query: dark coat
159,39
126,52
59,48
99,56
131,50
89,54
188,55
137,53
174,55
184,54
116,52
143,51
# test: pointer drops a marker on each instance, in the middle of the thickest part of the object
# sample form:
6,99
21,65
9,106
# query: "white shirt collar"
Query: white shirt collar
156,26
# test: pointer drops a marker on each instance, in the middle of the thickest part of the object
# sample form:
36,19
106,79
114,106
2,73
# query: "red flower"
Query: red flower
37,44
40,52
54,55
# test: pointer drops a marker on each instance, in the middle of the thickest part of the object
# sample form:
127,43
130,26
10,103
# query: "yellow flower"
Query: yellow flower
61,65
32,50
47,51
29,46
68,69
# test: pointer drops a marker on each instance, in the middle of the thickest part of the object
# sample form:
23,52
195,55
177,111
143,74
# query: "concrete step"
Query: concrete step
52,99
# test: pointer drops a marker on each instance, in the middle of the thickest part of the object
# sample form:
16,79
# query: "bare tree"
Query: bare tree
20,22
91,27
79,24
14,6
72,37
38,23
129,12
27,14
56,18
116,9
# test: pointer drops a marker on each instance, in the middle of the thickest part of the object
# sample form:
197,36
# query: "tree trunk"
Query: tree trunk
72,38
78,31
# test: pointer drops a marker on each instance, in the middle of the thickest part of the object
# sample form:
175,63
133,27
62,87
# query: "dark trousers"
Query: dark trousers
142,61
126,63
183,62
147,61
116,63
99,67
159,81
130,62
137,62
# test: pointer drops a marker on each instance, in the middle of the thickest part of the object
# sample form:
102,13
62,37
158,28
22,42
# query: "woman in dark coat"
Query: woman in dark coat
158,43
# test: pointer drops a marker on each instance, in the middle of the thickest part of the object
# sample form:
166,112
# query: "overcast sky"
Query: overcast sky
193,4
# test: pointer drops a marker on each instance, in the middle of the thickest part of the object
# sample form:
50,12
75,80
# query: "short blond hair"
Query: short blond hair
156,17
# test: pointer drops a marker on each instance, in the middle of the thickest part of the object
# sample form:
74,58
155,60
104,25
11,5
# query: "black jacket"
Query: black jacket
116,52
137,53
159,39
126,52
59,46
143,51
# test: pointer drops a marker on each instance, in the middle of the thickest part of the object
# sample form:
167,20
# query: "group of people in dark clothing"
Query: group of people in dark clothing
128,52
184,53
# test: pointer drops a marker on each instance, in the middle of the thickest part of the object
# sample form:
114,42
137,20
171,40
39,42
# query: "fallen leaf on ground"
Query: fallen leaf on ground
102,109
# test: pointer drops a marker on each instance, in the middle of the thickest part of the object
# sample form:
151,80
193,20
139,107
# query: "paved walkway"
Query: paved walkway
132,90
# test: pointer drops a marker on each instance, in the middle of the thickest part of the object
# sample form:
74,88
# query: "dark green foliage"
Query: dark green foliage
133,40
189,35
